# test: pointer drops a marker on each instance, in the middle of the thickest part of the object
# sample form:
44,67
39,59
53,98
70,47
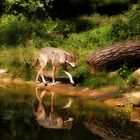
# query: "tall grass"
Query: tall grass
18,61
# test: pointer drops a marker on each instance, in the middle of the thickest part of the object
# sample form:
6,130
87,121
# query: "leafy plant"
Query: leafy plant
132,81
14,29
29,8
124,71
127,26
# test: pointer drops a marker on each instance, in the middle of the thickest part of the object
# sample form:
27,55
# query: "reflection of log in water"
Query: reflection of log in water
116,127
53,119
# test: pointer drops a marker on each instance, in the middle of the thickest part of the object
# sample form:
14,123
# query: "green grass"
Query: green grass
18,61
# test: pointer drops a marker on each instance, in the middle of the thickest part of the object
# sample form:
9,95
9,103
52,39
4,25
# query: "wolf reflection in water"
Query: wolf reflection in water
53,119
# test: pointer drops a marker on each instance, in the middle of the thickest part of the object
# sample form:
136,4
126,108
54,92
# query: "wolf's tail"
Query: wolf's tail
34,63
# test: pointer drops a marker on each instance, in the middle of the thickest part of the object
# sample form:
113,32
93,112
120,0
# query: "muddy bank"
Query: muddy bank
99,94
110,95
66,89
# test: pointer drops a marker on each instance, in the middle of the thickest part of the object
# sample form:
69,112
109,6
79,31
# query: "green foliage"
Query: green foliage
18,61
132,81
124,71
29,8
14,29
127,27
82,24
101,80
91,39
60,32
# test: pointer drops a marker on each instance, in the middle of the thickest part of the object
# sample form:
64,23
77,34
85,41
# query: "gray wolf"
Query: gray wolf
56,57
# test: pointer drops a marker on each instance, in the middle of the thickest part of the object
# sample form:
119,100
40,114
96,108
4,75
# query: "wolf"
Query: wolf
57,58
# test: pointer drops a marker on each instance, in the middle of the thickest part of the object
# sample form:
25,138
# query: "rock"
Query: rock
113,74
120,102
3,71
133,98
136,74
135,115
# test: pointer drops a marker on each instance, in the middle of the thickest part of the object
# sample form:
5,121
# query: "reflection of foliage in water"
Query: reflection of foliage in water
17,121
16,113
110,121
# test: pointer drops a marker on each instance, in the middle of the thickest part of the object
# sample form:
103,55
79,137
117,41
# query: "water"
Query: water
36,114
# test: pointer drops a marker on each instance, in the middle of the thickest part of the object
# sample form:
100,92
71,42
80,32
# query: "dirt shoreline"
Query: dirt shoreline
99,94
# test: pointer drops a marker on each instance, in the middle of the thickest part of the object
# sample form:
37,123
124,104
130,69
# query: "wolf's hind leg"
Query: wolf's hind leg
40,73
53,75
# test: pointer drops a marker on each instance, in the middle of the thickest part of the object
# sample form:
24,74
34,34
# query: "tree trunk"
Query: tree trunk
112,57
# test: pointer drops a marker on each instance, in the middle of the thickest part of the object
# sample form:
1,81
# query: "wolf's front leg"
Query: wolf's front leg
43,79
70,77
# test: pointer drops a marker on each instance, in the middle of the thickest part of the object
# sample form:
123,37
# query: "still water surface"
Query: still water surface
36,114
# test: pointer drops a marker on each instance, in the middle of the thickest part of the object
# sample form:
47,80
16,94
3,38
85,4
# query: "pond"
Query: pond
29,113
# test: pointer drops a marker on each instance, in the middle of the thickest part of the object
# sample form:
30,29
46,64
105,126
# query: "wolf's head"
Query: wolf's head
71,60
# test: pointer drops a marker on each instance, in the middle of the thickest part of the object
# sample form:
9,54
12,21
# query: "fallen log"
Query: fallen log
113,57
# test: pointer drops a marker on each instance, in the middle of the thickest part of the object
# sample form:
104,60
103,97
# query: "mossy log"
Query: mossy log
113,57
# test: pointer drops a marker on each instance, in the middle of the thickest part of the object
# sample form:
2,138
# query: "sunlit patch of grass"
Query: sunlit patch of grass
91,39
101,80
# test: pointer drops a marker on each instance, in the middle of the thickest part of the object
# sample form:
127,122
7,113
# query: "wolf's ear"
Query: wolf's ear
70,57
66,56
